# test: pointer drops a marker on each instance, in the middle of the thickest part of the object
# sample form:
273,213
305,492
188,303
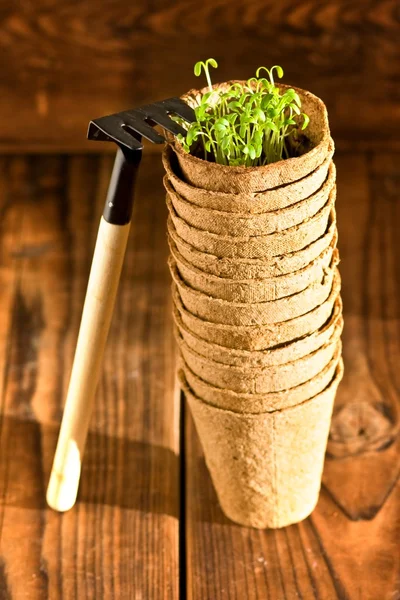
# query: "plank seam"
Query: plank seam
182,501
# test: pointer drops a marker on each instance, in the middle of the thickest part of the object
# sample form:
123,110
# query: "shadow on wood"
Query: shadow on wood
115,472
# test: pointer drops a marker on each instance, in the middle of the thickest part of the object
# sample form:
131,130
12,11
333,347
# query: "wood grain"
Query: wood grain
128,533
348,548
121,539
66,63
365,437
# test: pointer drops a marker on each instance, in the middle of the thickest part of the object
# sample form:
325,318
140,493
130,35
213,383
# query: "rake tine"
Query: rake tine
179,107
132,121
157,114
110,128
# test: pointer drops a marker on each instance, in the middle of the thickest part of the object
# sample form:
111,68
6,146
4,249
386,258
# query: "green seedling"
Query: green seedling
249,124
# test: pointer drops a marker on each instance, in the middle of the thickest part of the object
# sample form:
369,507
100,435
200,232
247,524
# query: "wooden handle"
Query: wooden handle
97,312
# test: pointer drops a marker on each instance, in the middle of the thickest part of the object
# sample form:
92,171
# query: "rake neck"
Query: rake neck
119,203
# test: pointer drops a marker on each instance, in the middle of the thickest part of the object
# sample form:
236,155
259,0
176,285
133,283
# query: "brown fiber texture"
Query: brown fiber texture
211,176
251,203
258,313
259,337
260,380
262,358
261,403
245,268
254,290
266,468
257,246
245,224
258,319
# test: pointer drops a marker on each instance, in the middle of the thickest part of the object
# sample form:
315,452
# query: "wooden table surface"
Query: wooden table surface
147,524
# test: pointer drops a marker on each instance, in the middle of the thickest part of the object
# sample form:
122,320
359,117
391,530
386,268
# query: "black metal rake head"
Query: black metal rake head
128,127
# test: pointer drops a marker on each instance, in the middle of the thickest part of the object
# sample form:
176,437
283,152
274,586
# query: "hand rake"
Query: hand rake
126,129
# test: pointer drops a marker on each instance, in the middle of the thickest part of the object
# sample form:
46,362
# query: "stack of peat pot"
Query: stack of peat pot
258,315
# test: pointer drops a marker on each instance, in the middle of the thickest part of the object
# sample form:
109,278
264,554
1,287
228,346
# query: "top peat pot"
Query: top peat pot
228,220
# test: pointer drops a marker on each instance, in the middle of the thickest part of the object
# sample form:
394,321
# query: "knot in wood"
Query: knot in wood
361,427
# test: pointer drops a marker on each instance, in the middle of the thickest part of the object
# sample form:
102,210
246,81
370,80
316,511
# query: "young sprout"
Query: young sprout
278,69
204,65
249,124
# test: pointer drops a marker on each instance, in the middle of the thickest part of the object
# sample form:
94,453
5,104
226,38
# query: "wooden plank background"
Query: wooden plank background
121,539
349,548
64,63
147,524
